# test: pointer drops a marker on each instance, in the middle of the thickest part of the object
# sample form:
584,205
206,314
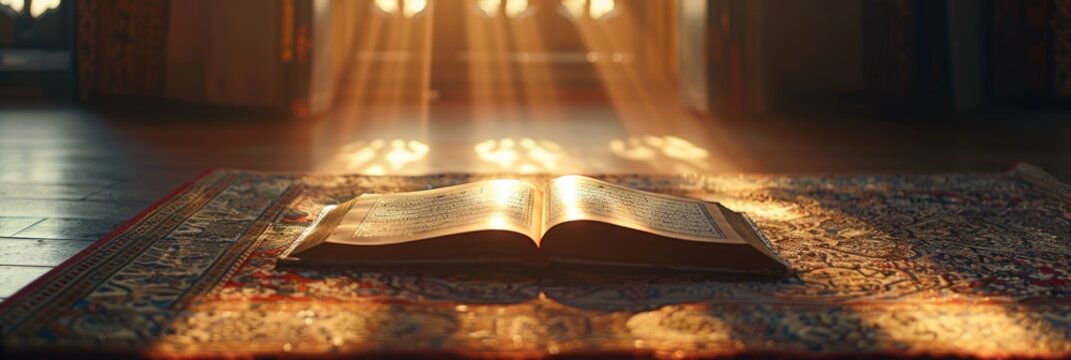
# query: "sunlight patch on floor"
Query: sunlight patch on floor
524,156
683,154
379,157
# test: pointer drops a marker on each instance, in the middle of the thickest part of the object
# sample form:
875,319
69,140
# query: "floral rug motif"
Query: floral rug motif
950,264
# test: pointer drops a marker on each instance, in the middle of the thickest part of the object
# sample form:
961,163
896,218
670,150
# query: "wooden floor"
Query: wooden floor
69,175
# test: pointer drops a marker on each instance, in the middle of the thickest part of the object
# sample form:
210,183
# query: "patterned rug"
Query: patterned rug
954,264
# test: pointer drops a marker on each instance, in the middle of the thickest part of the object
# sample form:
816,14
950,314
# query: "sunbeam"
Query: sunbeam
581,75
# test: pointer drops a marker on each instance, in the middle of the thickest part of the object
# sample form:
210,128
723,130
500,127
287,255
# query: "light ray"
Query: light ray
414,7
540,93
574,8
387,6
599,9
489,7
516,8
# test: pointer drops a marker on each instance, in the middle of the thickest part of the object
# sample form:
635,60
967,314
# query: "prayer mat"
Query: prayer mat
891,265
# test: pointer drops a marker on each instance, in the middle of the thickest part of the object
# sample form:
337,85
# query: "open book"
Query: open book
572,219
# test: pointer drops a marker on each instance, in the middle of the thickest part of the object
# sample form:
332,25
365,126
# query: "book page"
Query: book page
572,198
487,205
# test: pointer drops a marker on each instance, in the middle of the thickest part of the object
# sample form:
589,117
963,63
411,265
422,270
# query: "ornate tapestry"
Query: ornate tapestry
952,264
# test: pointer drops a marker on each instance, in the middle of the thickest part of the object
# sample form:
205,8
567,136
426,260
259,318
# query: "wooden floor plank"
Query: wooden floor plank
12,225
69,229
13,278
143,191
70,209
49,191
47,175
38,252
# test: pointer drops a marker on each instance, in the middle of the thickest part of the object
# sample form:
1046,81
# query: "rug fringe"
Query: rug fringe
1042,180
